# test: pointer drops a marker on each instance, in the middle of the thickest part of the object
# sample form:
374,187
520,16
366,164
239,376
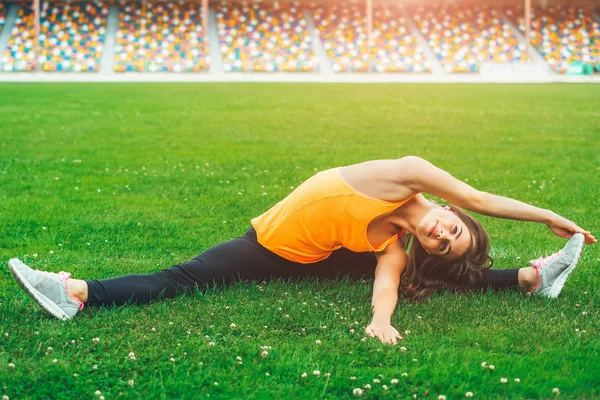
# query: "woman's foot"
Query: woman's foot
554,270
48,289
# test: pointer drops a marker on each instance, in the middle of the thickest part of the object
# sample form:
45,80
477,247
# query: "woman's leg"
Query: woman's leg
516,278
236,259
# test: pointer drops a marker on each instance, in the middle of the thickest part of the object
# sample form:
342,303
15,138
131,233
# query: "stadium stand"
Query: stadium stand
562,35
343,31
19,55
264,37
464,38
72,36
160,37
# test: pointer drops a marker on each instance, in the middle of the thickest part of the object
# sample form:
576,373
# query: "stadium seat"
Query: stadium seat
160,37
343,30
71,38
19,55
464,38
265,37
562,35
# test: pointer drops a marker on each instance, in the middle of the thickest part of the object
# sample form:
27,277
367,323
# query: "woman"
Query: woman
331,226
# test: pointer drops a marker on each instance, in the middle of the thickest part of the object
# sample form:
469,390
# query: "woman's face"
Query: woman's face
442,233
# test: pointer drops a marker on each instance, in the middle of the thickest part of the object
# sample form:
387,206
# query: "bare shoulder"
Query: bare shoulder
382,179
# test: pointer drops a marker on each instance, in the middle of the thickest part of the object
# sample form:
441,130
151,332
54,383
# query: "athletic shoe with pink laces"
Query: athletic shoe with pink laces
554,270
48,289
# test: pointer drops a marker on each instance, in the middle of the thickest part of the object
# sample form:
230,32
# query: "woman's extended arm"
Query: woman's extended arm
421,176
390,264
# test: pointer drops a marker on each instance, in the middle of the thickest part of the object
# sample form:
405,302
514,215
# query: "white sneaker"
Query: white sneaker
554,270
48,289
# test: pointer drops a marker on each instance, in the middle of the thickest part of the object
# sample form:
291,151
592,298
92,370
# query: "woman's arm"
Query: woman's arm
390,265
421,176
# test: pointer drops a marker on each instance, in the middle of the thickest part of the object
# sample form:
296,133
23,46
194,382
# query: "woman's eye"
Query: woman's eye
455,230
443,247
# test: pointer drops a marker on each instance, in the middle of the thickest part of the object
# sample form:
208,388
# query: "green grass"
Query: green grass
169,170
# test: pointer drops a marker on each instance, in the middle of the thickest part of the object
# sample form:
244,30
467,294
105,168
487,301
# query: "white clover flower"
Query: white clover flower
353,378
351,331
267,374
172,359
96,340
584,313
517,380
441,397
11,365
238,358
170,323
35,255
317,341
54,361
491,367
402,348
468,395
367,387
327,374
555,391
101,398
49,348
232,325
503,380
404,374
384,387
211,343
98,393
484,365
264,354
131,382
304,375
131,356
394,381
357,392
316,372
363,339
216,383
376,380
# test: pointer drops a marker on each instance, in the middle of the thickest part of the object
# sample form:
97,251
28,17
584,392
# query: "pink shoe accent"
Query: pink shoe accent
537,273
65,276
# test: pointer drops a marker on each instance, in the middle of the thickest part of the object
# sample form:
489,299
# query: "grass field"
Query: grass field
102,180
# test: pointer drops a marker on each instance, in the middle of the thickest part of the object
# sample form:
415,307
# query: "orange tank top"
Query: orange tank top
320,216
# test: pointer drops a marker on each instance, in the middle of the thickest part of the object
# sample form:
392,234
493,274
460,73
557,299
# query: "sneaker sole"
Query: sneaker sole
48,305
562,278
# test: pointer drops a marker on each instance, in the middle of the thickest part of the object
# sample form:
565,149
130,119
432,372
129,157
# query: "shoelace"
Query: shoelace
542,262
62,275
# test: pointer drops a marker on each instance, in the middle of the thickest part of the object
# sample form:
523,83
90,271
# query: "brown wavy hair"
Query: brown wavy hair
426,274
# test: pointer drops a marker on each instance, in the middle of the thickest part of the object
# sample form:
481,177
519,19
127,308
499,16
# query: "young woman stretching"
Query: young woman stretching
351,221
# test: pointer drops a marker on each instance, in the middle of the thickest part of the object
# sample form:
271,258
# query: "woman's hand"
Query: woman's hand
384,331
564,228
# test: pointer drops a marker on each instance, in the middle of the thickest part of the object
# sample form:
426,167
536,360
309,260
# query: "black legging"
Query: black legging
246,259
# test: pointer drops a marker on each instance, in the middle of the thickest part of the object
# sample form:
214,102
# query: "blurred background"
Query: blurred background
434,40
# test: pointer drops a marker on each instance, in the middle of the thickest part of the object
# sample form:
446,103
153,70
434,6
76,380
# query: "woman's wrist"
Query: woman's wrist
382,319
548,216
